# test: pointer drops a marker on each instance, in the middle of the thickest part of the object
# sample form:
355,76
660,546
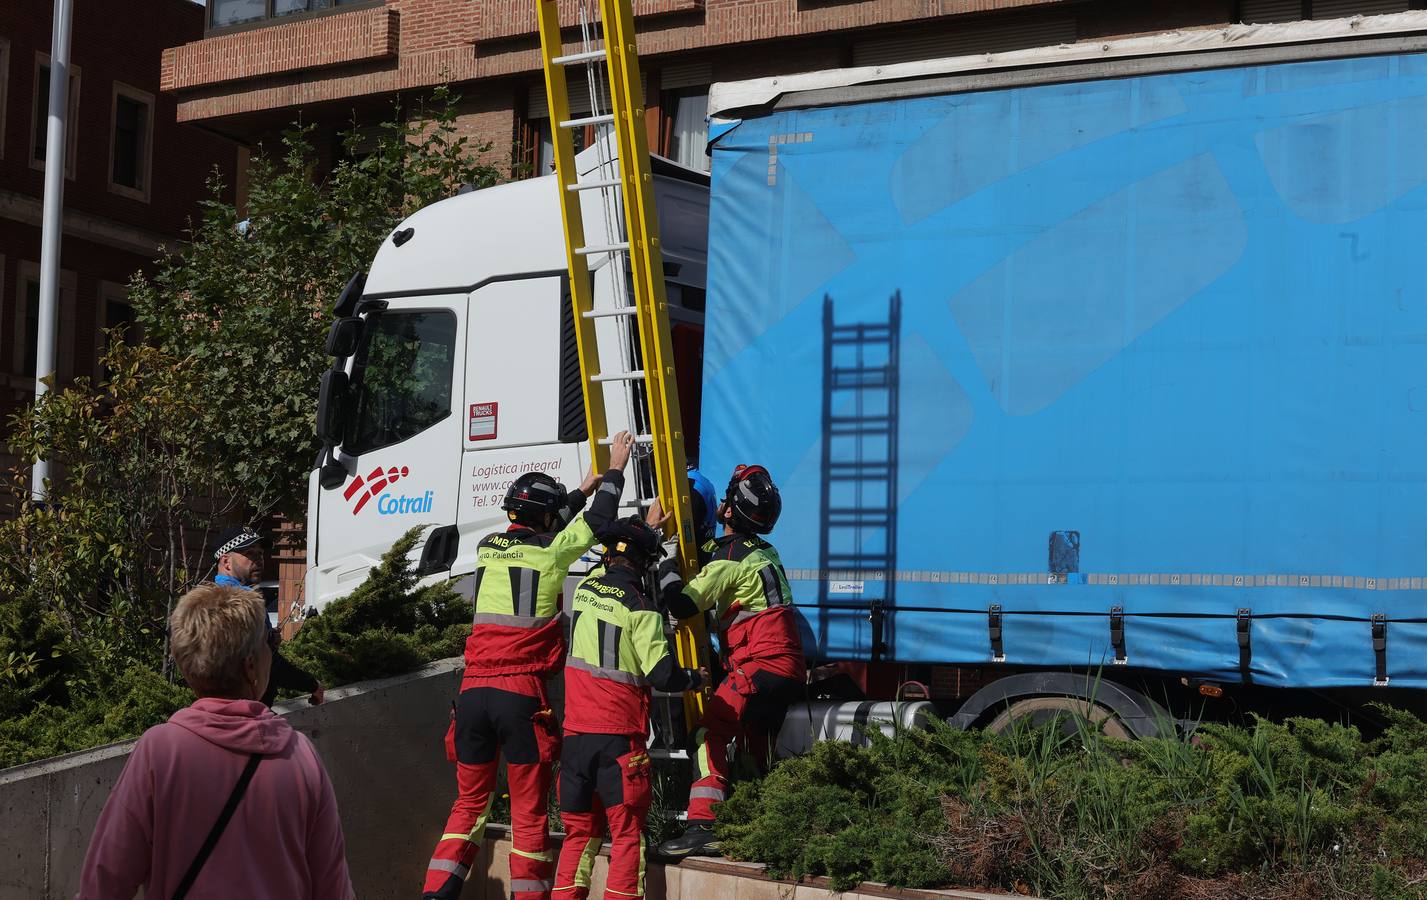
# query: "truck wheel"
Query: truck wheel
1042,710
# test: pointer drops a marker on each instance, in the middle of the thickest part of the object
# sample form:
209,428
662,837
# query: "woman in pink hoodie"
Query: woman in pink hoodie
283,840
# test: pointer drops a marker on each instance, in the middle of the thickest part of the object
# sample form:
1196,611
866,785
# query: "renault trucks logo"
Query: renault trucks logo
388,503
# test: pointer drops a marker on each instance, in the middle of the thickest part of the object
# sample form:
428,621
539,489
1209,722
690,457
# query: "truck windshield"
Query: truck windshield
401,378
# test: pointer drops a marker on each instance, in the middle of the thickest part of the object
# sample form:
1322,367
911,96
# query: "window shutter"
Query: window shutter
685,74
1340,9
1263,12
965,41
578,87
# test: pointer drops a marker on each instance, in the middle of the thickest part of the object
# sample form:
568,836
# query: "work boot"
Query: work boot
698,840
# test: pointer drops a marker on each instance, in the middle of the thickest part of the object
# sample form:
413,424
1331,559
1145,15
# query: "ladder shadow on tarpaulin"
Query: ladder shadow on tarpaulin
857,552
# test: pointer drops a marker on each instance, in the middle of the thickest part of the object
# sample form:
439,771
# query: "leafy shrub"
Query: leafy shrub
98,714
385,627
1302,808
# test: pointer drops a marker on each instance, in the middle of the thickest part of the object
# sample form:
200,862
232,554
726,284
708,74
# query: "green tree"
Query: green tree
248,299
209,420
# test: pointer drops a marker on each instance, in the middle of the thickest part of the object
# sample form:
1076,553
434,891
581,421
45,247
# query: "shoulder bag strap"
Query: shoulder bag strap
217,831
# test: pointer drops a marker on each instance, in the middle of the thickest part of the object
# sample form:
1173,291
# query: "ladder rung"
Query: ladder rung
636,375
606,313
571,58
593,185
621,247
638,439
605,119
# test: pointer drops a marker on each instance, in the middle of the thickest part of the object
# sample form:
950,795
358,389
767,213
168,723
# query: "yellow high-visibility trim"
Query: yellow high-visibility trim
701,755
543,857
586,868
641,864
478,830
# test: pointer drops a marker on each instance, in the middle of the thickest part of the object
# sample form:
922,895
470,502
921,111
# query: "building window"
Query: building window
4,89
537,149
113,314
131,142
40,130
28,322
687,127
246,13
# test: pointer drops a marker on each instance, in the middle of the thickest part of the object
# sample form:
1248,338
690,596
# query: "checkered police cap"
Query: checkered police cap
239,538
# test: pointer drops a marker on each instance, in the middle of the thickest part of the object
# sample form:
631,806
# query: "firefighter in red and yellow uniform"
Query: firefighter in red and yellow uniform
745,585
617,652
517,642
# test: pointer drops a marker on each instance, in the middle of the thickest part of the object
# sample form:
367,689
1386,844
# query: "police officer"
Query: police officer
745,585
516,642
617,651
240,557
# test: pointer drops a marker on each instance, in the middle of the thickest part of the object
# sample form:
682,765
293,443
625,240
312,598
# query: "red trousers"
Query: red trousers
749,706
605,780
488,722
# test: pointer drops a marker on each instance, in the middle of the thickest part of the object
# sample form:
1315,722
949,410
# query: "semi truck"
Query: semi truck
1092,375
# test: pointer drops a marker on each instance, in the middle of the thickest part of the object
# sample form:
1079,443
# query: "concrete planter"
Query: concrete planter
696,879
381,742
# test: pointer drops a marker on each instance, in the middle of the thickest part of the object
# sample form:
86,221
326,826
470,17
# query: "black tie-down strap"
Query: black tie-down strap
1242,628
876,618
1379,648
993,627
1117,634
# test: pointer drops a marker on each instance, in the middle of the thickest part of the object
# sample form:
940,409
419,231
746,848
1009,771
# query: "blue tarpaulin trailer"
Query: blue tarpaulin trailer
1112,355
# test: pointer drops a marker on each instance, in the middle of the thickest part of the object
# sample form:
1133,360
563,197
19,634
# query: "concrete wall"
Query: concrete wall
380,740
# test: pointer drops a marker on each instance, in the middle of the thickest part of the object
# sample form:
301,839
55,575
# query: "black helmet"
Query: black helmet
753,500
631,538
533,498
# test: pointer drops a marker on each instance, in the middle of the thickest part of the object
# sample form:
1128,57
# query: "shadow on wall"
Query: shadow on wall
860,418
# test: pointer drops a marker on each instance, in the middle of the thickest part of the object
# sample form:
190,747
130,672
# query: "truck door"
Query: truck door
402,434
524,409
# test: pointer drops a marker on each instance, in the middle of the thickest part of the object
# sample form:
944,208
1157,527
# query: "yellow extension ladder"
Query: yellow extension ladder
623,179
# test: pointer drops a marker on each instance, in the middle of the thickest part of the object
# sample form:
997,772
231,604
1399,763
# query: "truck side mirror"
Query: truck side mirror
331,404
351,295
342,337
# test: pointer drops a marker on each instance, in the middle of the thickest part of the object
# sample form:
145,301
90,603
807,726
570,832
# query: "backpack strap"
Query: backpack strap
216,831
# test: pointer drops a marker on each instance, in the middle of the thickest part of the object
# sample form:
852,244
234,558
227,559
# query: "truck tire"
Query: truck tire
1041,710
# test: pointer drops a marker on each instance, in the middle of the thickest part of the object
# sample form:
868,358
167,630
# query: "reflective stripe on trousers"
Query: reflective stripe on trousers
527,885
450,865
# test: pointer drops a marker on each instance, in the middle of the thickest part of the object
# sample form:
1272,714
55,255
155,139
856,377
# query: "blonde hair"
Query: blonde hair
212,631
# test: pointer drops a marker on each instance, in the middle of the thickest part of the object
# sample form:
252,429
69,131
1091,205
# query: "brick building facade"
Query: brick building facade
262,61
134,174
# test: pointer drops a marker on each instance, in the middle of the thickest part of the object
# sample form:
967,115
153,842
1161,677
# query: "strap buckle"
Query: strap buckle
1117,634
993,627
1242,627
1379,649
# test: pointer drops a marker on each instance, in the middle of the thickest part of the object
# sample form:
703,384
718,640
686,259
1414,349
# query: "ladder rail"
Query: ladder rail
581,285
640,227
646,263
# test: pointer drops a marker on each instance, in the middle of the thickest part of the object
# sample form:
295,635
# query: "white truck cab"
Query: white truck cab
457,371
